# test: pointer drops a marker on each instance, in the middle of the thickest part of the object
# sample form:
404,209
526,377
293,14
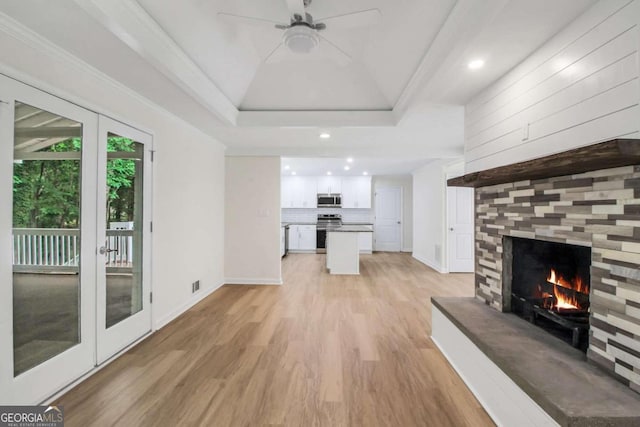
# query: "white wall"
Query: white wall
580,88
188,238
429,214
252,220
406,183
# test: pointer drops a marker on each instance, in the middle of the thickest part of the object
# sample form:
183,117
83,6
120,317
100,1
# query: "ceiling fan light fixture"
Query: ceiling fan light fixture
300,39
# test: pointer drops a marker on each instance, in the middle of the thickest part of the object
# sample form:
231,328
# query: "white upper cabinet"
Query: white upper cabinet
329,184
356,192
286,192
298,192
302,191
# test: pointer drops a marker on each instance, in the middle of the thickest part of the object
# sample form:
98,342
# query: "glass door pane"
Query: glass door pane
123,285
125,176
48,222
46,235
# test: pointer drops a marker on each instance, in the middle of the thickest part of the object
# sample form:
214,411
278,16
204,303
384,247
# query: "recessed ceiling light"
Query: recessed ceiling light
329,173
293,173
325,135
350,160
365,173
347,168
476,64
287,167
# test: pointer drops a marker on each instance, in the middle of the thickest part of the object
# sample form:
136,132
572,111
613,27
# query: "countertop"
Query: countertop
284,224
350,229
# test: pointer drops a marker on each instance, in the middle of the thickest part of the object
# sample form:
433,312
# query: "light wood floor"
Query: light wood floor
320,350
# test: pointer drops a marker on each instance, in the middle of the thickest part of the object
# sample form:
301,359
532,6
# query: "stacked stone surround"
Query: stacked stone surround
599,209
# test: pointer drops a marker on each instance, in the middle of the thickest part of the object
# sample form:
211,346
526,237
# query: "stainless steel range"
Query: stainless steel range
325,221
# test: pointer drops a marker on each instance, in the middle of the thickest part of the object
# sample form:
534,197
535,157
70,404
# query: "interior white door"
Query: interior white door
47,235
460,230
388,221
124,236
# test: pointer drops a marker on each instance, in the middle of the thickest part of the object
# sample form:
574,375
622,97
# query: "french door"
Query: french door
124,220
57,316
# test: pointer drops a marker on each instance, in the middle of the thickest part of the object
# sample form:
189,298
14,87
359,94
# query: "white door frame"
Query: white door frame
41,381
110,341
401,190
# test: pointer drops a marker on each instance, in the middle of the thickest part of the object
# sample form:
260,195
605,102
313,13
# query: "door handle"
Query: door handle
450,228
398,222
103,250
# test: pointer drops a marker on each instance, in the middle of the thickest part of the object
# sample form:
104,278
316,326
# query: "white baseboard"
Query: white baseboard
406,250
430,263
504,400
241,281
196,298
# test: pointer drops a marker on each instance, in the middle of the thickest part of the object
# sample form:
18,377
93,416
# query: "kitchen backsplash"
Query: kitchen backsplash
311,215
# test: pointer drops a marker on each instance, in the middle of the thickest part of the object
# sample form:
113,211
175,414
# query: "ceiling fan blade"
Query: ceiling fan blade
278,54
333,52
248,20
364,18
296,7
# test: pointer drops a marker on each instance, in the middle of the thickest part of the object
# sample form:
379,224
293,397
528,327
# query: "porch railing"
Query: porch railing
46,249
57,249
120,243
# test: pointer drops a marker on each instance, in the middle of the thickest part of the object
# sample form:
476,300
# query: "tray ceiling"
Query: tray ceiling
401,96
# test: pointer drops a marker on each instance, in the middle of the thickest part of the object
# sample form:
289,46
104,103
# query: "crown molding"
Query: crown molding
130,23
30,38
465,21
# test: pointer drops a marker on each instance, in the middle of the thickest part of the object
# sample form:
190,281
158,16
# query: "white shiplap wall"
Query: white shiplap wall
578,89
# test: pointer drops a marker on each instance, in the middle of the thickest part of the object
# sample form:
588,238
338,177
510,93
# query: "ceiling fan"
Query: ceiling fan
302,33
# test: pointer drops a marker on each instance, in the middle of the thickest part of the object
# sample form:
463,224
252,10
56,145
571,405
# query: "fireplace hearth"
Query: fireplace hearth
550,286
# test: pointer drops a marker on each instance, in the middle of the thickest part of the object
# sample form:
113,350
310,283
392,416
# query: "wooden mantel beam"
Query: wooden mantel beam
605,155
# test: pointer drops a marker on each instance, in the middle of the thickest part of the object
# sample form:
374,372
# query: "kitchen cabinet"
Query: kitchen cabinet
302,238
329,184
356,192
298,192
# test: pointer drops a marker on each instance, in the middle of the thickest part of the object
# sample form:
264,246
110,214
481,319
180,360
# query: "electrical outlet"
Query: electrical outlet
195,286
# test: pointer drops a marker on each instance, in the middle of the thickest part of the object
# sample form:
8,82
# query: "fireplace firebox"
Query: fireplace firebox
550,286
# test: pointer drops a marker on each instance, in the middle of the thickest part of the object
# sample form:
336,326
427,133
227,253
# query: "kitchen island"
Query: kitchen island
343,252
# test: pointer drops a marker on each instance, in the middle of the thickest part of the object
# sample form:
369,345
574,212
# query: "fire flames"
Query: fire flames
564,301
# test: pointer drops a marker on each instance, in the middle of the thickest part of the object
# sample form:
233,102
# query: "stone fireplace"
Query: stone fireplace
587,199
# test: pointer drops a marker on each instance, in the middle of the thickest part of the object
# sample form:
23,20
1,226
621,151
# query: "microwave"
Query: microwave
329,200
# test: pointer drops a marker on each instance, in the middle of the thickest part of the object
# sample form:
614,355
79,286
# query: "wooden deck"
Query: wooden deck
319,350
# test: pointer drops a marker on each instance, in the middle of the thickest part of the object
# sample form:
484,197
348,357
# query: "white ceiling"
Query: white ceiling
384,56
400,98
